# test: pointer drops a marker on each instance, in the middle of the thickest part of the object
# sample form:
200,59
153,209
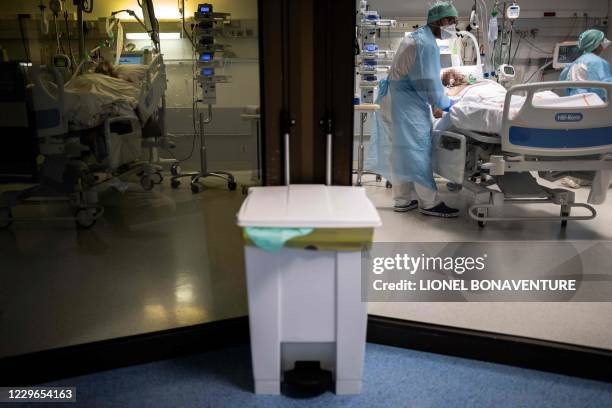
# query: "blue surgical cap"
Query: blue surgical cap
590,40
440,10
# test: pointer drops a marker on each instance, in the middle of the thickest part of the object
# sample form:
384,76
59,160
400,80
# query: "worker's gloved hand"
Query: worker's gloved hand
452,102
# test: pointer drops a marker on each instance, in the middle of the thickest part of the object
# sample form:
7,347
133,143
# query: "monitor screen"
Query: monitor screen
130,59
565,53
568,54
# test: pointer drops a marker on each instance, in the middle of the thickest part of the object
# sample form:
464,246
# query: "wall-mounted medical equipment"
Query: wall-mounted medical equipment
513,11
369,24
565,53
207,52
506,73
208,58
61,61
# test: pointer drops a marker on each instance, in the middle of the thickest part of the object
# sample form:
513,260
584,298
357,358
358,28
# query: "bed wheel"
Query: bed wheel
482,213
565,212
6,218
175,183
84,218
245,190
388,185
378,178
175,169
147,183
157,177
232,185
195,188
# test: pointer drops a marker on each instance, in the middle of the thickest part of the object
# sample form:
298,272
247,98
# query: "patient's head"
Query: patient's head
452,77
106,68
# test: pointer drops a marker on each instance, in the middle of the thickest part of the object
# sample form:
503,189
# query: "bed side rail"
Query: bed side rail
154,88
557,131
49,110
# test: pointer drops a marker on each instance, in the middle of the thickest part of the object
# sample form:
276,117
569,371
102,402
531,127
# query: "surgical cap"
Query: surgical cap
590,40
440,10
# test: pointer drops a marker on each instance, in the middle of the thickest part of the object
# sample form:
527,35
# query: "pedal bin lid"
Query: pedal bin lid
308,206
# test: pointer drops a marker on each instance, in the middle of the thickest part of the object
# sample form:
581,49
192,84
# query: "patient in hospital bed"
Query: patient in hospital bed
105,91
480,108
134,73
480,105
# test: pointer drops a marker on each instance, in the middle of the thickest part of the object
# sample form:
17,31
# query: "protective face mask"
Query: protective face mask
449,32
605,43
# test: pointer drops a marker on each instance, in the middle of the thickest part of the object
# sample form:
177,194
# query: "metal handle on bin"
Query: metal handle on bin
328,164
328,149
287,166
287,122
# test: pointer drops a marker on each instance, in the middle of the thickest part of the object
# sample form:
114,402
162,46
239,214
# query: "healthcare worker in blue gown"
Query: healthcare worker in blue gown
401,138
590,66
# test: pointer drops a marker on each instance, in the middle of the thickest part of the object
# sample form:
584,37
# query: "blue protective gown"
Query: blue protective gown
597,68
378,152
411,99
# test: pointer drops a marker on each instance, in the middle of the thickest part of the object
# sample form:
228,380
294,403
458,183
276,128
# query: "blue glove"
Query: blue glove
452,102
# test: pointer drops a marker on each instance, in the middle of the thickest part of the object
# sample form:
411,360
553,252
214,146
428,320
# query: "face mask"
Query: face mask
449,32
605,43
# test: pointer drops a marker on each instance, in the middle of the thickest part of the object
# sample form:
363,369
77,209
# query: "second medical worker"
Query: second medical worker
590,66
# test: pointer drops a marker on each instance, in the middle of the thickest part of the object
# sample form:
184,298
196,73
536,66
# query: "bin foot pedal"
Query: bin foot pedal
307,379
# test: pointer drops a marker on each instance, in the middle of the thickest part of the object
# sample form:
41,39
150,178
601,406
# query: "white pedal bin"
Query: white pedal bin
305,300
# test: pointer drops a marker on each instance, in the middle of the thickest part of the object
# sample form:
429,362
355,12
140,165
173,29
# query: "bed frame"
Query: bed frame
58,146
543,139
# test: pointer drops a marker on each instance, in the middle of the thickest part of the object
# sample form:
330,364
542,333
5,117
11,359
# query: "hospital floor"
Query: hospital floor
392,378
156,260
585,324
167,258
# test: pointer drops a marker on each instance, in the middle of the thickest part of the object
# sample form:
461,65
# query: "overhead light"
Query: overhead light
145,36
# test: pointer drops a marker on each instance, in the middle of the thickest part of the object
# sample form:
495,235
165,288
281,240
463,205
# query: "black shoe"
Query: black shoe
404,208
441,210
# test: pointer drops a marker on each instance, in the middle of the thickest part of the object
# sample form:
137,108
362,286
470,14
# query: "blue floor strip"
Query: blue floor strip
393,377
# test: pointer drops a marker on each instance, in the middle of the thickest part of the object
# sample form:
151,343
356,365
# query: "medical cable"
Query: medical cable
518,46
182,9
69,42
23,40
510,45
535,47
541,69
57,36
571,30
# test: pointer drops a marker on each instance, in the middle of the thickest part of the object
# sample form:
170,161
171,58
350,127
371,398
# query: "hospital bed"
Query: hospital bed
62,172
496,168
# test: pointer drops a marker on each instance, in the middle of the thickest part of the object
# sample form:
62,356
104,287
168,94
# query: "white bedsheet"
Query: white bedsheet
480,107
92,98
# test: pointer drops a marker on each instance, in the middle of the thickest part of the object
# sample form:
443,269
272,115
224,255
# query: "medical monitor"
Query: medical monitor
565,54
131,58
